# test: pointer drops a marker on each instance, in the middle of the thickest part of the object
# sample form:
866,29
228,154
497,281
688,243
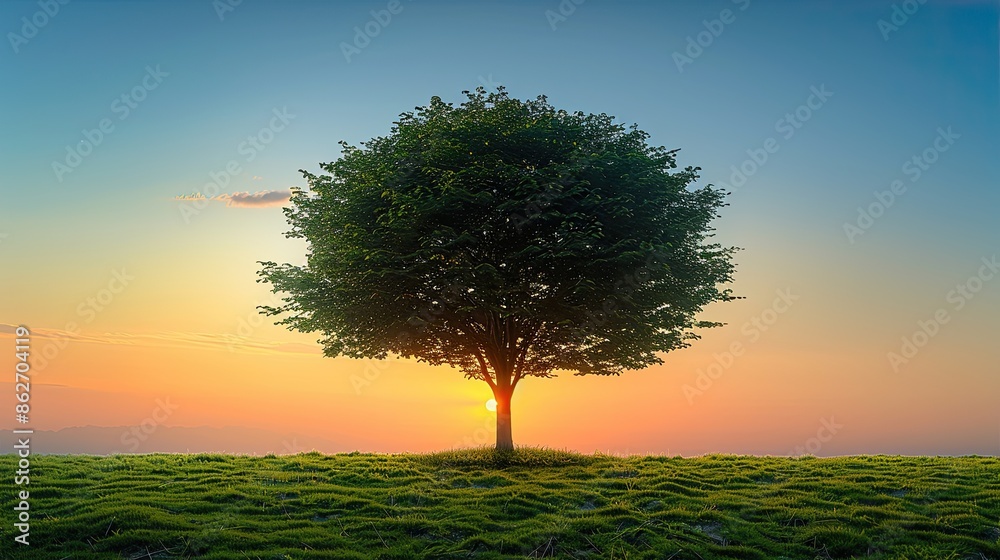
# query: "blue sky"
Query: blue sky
938,69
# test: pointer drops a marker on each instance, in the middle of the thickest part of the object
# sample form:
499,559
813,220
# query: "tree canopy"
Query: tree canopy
506,238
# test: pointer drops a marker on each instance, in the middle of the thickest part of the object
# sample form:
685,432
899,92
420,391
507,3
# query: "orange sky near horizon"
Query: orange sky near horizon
766,382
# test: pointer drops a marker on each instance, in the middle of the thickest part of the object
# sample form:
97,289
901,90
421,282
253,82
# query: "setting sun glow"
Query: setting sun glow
491,405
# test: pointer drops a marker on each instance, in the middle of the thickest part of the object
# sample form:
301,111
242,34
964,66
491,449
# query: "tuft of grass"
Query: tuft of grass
490,457
530,503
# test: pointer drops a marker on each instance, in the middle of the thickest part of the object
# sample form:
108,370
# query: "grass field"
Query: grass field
538,503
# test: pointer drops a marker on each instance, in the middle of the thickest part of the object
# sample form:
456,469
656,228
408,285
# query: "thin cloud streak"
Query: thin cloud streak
172,339
259,199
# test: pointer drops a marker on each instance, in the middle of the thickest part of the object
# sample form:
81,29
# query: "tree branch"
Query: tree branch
485,371
526,343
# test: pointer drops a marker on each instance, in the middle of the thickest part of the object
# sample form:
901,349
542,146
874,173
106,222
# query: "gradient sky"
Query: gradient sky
815,374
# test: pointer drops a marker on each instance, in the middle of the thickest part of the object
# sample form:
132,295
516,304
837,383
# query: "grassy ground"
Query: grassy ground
473,504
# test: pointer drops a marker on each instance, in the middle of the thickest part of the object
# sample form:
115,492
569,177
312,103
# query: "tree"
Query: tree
507,239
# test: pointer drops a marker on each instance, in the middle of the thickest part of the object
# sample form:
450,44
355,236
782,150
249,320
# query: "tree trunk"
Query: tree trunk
505,440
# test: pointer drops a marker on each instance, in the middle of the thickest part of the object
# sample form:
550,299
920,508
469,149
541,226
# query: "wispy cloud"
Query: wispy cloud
259,199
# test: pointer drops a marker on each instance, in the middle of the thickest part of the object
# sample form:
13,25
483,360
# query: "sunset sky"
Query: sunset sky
873,218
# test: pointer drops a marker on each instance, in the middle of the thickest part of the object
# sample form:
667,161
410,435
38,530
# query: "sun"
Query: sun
491,405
